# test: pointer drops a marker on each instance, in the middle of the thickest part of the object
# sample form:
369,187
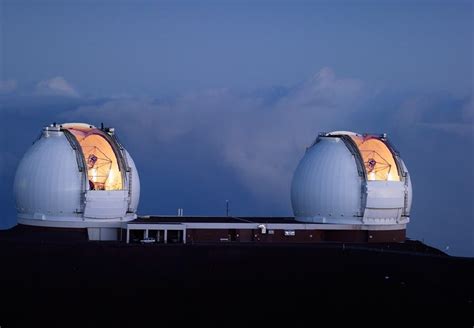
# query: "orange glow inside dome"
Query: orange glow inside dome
378,160
103,171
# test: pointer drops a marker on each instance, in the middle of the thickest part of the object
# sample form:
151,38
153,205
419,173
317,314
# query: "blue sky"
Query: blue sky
217,100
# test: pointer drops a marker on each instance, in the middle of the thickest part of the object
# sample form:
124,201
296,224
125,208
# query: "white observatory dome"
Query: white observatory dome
350,178
76,175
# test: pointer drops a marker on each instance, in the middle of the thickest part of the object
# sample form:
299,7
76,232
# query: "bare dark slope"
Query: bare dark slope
37,275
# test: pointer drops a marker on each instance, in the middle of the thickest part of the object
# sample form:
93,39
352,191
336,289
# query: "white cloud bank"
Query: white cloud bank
260,137
56,86
262,143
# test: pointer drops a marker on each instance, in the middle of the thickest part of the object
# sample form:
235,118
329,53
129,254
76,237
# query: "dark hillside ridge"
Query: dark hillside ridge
62,270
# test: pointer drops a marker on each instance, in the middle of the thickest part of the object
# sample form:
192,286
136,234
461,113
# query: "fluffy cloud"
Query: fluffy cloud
56,86
252,143
7,86
262,143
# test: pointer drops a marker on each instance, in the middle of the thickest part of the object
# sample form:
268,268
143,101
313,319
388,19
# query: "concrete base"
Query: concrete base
75,222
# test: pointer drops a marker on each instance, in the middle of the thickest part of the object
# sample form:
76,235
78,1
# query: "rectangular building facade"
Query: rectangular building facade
176,229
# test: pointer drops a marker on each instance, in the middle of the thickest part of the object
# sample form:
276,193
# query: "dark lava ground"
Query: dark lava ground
41,282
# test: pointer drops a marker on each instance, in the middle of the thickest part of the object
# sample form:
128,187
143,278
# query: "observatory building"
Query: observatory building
348,178
76,175
347,187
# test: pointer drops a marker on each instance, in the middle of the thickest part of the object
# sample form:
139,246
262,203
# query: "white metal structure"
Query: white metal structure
348,178
77,176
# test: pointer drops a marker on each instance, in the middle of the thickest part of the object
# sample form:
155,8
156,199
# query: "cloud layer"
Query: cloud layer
56,86
261,139
198,149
